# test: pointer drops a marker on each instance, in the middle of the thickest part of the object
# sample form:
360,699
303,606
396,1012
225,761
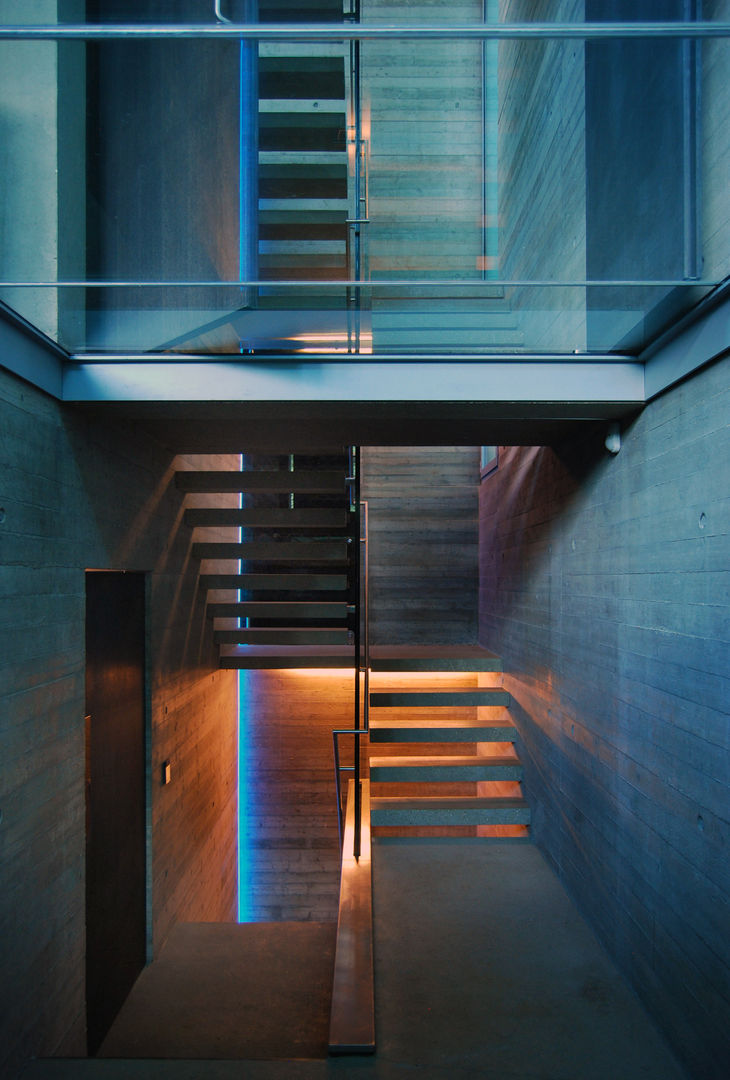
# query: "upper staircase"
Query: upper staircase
279,568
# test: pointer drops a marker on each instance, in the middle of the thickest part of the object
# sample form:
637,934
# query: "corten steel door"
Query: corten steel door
115,794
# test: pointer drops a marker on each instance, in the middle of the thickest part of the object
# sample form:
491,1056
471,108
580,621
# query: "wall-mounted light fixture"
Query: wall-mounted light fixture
613,438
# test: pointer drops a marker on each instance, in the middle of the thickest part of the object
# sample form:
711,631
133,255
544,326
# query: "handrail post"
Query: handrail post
355,507
364,572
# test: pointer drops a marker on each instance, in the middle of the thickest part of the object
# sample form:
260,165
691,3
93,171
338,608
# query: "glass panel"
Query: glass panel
520,196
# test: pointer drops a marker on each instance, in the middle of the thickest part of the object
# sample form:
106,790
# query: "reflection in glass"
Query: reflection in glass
435,196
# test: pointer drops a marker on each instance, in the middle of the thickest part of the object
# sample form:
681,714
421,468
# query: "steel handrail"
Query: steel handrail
362,666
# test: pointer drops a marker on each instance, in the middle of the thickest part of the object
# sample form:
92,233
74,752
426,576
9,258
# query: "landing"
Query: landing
224,990
483,969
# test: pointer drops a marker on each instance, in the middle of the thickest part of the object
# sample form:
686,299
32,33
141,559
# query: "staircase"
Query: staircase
455,771
281,587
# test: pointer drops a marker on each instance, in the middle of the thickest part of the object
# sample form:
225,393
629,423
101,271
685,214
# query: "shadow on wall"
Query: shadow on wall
542,554
133,519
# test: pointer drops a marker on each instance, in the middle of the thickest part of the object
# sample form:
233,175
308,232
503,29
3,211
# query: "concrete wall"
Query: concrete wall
604,587
76,494
542,174
423,536
28,180
715,149
422,105
290,854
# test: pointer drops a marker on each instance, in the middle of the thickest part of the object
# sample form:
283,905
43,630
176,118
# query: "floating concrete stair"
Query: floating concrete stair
303,481
274,551
292,656
283,636
462,767
435,781
303,166
456,811
276,610
445,731
457,697
468,658
268,517
280,583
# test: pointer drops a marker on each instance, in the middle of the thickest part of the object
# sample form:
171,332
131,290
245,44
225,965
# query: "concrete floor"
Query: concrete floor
483,969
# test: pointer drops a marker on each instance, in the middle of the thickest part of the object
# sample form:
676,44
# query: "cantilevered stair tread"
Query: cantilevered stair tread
499,729
275,551
279,609
451,697
433,658
467,810
310,481
465,767
267,517
276,582
250,657
289,635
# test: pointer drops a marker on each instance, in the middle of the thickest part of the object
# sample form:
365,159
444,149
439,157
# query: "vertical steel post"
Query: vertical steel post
355,509
364,574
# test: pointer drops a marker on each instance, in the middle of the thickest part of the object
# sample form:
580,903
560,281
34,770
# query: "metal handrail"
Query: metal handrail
589,31
362,666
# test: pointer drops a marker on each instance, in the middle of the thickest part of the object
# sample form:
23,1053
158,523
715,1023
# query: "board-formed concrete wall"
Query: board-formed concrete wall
423,504
542,174
76,493
290,851
605,588
714,149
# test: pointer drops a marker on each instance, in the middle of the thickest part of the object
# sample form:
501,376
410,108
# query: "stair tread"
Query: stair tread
282,609
307,157
274,550
287,656
439,697
284,635
440,725
415,812
315,582
444,688
302,481
298,203
454,802
433,658
272,517
443,731
452,761
318,106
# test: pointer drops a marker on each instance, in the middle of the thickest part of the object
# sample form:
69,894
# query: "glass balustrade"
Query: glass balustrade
275,180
